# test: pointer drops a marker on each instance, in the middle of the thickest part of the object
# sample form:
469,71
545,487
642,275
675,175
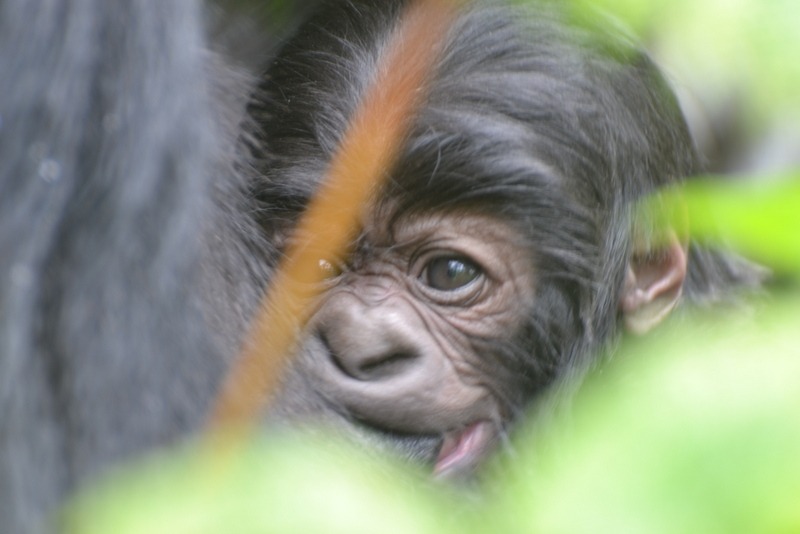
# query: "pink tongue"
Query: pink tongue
462,446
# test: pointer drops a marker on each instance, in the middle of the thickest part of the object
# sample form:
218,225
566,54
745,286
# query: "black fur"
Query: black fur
121,210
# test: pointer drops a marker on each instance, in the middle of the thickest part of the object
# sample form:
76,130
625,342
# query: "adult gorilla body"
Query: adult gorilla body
134,250
116,183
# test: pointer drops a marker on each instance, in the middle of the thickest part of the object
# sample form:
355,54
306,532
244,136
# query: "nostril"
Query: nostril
332,355
367,364
386,366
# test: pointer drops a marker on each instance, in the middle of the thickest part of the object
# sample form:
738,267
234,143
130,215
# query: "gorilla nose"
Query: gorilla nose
381,362
373,363
370,344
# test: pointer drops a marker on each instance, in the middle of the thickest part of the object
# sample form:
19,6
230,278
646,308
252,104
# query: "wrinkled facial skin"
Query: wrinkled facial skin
394,343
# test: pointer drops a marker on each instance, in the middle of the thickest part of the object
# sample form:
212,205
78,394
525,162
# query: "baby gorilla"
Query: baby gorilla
403,339
501,254
498,258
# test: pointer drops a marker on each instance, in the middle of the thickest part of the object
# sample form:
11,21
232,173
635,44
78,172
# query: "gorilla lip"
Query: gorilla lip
464,448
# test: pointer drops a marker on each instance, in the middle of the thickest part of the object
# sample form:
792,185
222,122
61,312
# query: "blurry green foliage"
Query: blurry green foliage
694,429
760,218
745,46
303,483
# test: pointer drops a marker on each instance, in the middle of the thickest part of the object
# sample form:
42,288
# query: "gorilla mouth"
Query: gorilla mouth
462,450
452,455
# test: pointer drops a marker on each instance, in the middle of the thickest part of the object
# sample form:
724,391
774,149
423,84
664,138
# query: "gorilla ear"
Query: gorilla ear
653,284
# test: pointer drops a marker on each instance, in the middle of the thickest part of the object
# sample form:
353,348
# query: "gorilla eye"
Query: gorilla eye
449,273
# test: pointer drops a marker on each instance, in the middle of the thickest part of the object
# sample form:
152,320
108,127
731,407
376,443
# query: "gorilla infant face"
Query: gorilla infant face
499,260
398,341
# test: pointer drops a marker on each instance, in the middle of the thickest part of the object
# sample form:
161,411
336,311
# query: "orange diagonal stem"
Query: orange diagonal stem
366,154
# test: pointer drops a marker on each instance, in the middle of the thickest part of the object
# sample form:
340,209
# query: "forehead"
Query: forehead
382,228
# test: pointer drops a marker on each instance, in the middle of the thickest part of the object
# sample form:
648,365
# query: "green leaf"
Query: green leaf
759,217
302,483
696,429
